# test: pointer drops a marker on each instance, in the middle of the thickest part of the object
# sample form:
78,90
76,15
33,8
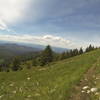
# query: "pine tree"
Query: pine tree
71,53
89,48
47,55
75,52
81,51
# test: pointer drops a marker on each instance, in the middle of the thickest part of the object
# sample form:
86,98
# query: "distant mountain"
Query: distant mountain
29,46
10,50
41,47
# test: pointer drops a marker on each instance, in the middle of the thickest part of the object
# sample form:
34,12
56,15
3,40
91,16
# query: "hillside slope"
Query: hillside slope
55,82
91,80
11,50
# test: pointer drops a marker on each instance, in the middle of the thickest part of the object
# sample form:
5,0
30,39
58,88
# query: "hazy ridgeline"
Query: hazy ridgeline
16,59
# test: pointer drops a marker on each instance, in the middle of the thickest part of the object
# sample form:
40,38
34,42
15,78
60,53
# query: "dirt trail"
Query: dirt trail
89,82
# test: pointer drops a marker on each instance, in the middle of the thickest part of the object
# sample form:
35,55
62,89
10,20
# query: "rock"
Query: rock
94,89
85,87
88,91
28,78
83,91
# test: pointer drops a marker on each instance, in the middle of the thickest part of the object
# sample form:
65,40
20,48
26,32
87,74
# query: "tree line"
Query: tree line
45,57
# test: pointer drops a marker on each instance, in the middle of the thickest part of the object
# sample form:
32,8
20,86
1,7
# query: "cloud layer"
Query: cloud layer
43,40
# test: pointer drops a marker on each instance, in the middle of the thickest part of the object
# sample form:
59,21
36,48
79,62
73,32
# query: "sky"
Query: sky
60,23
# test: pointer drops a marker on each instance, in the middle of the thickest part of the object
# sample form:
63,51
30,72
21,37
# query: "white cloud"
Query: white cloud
43,40
11,11
52,40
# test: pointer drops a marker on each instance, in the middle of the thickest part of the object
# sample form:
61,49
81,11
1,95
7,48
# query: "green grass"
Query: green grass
49,83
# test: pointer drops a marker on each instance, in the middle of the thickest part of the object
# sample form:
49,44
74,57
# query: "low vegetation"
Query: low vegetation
41,58
51,82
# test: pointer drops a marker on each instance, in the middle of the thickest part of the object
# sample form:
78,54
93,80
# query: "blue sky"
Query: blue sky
62,23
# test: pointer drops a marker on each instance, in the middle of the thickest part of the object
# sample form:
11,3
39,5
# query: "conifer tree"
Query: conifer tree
75,52
47,55
81,51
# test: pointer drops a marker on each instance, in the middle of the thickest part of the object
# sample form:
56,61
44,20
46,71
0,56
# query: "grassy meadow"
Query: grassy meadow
53,82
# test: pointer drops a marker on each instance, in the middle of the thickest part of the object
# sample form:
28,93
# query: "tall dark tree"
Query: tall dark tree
71,53
75,52
89,48
47,55
81,51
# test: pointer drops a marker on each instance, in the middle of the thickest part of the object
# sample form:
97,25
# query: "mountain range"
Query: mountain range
10,49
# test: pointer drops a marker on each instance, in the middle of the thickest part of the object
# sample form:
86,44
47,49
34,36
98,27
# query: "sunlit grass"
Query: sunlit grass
54,82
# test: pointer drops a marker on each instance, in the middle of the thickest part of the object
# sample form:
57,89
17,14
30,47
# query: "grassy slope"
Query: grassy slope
49,83
92,80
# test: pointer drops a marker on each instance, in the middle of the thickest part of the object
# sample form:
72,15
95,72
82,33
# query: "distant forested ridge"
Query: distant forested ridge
15,57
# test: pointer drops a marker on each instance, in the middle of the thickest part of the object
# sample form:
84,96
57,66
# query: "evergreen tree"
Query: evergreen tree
71,53
47,56
81,51
75,52
89,48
